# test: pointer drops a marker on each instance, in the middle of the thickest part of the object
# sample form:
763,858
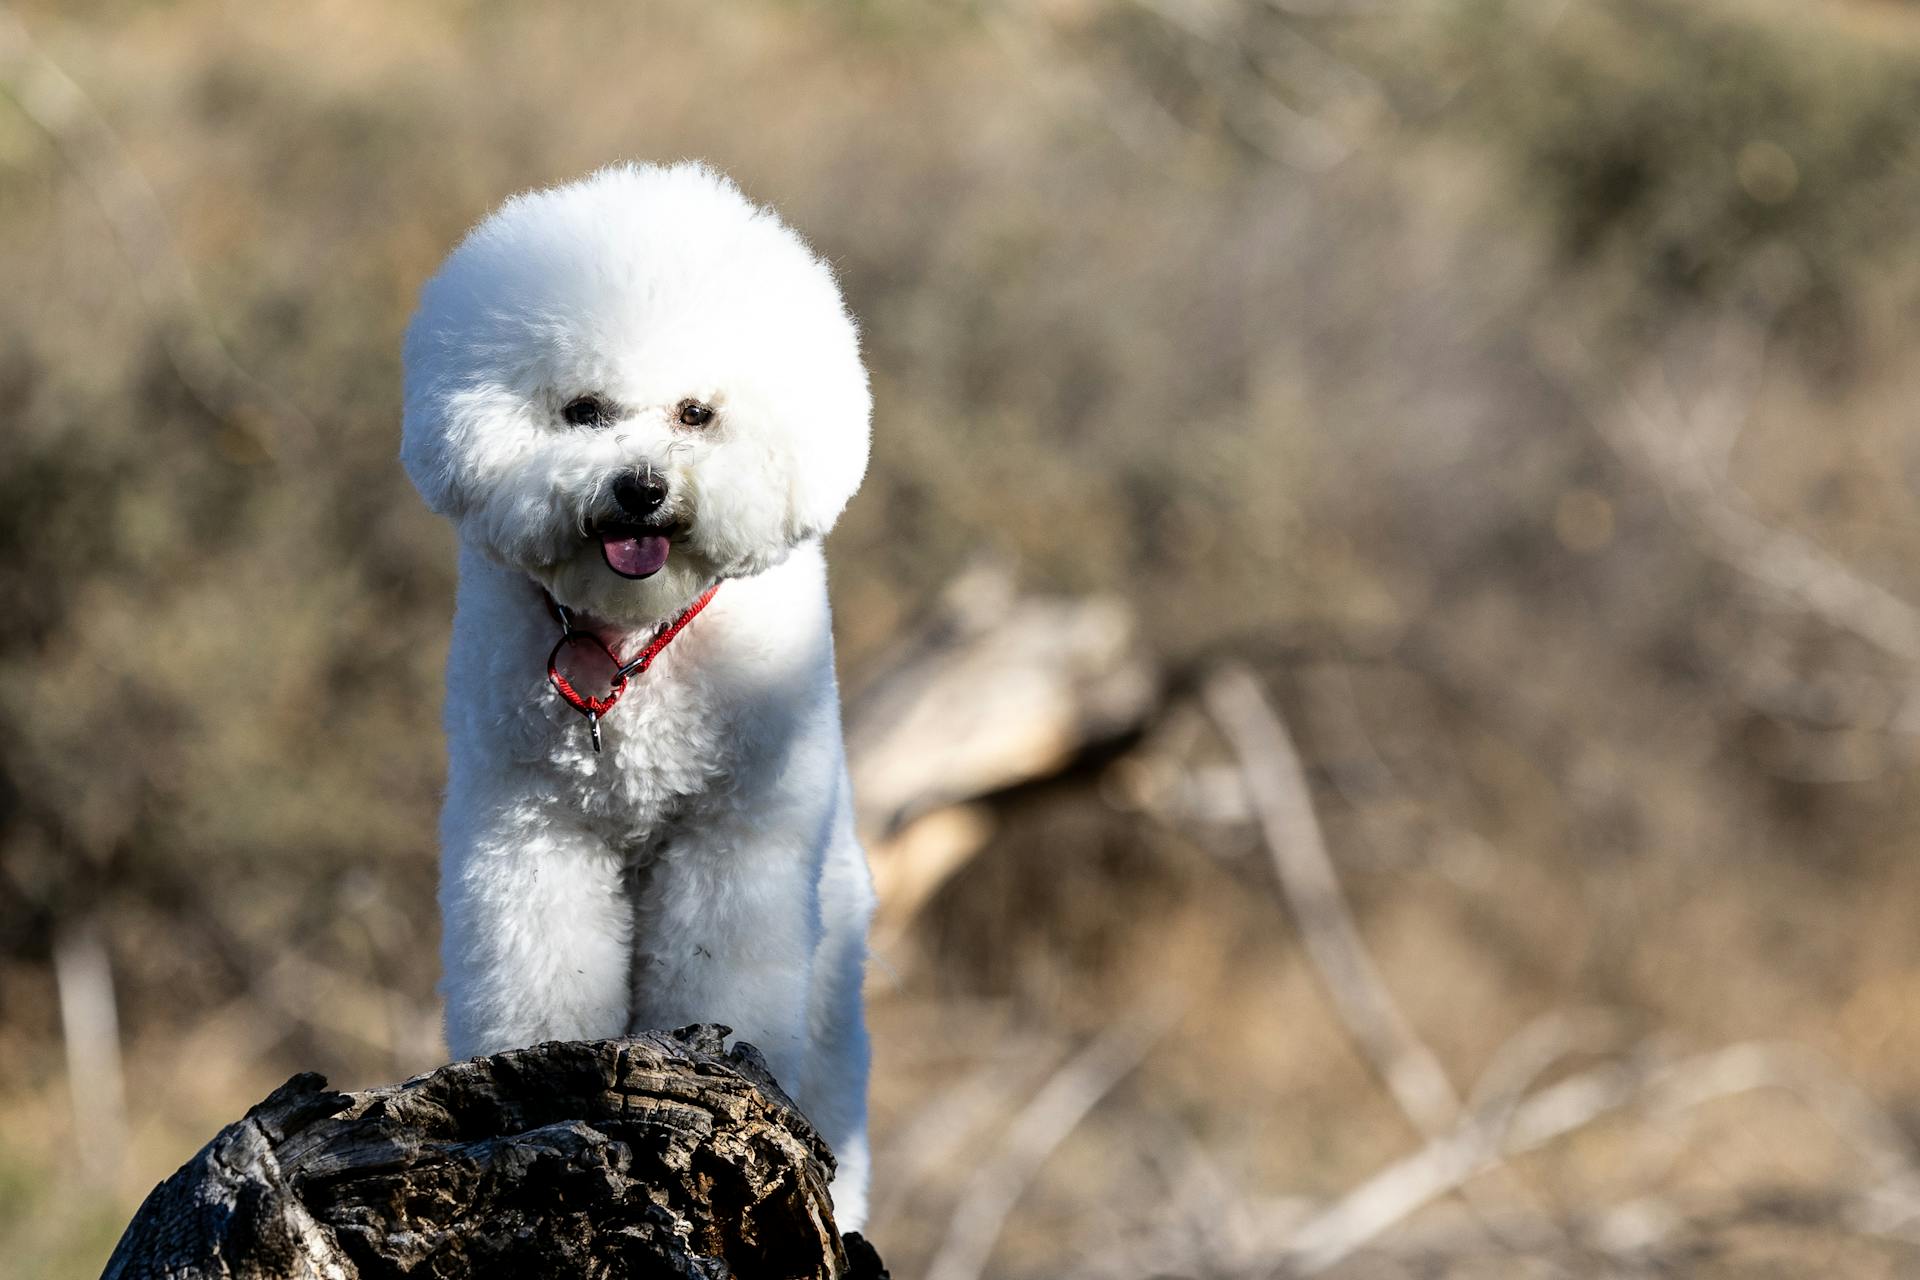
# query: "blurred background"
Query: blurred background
1380,640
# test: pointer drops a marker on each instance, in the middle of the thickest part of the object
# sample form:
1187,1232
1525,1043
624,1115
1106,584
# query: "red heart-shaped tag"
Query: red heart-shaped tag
581,661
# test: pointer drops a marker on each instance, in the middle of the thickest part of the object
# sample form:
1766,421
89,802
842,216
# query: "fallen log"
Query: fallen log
994,689
665,1154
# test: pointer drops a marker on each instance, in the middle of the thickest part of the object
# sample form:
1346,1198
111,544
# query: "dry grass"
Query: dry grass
1525,391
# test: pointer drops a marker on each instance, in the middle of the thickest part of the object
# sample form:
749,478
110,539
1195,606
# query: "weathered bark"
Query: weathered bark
665,1154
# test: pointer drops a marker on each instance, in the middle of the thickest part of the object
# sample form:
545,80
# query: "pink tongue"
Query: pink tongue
634,557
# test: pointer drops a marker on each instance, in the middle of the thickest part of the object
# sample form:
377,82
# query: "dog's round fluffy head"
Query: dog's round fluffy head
633,385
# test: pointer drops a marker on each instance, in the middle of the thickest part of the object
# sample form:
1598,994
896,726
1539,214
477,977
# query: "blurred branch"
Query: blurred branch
1891,1202
1216,1215
1685,451
1034,1134
1277,787
90,1028
1222,49
932,1140
1448,1163
55,103
1491,1136
1503,1119
1246,53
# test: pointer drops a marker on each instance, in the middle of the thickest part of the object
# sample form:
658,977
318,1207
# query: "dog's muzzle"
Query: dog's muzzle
636,540
639,495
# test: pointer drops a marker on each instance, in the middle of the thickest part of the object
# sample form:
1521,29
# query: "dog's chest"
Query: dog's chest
667,749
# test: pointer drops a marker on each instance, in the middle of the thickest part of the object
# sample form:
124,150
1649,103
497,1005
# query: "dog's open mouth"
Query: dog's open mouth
632,550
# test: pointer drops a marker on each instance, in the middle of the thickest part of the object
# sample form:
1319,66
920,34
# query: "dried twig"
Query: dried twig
932,1140
1685,450
1277,787
1277,790
1218,43
90,1026
1040,1127
1891,1203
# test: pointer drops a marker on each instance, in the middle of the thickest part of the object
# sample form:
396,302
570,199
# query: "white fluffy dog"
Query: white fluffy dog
623,392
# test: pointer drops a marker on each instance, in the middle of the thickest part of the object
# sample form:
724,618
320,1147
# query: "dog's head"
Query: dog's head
633,385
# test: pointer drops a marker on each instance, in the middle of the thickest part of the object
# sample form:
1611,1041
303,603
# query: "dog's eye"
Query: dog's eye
588,411
694,414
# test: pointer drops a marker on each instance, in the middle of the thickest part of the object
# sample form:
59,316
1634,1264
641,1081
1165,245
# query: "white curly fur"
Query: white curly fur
704,868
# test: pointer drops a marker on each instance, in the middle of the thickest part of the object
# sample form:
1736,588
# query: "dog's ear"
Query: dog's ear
829,465
428,456
444,406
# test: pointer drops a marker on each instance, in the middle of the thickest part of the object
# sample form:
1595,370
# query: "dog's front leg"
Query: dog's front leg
725,928
538,930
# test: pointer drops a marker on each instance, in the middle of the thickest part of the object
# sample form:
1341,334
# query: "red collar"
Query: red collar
592,659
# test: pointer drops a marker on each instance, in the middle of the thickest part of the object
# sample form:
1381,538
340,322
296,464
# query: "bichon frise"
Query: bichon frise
640,400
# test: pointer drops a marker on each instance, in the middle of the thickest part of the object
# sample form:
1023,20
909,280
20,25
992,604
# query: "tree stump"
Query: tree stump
665,1154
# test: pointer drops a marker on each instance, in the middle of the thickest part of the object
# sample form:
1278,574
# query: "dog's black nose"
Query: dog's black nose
639,495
